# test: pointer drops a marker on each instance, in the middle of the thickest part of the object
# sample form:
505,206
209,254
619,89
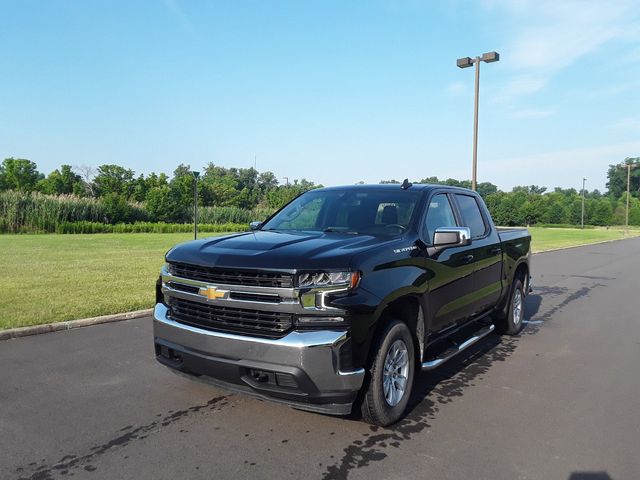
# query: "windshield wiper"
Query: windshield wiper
339,230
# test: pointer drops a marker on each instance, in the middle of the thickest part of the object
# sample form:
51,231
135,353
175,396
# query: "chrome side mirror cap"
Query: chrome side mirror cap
446,237
255,225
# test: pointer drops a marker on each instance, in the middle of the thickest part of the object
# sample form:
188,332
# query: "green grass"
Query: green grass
550,238
49,278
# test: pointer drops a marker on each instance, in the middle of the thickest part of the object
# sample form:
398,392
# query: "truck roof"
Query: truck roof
395,186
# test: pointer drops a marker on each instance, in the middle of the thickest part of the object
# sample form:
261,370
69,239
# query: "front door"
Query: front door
449,271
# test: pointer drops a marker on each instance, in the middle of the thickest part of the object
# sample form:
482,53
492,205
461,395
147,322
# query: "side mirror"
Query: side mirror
446,237
255,225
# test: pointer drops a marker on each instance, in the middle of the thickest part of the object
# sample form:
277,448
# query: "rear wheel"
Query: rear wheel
391,376
512,324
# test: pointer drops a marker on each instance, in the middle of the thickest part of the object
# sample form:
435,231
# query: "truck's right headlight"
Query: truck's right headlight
327,279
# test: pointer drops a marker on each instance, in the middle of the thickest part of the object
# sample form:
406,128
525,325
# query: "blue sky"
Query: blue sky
336,92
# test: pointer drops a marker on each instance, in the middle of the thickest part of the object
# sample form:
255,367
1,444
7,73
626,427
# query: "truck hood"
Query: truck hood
275,250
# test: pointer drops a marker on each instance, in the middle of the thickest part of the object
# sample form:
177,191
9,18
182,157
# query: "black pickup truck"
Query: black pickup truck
339,298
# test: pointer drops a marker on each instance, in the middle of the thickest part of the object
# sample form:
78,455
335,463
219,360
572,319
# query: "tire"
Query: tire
512,324
384,402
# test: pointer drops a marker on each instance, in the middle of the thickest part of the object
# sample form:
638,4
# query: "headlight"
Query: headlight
327,279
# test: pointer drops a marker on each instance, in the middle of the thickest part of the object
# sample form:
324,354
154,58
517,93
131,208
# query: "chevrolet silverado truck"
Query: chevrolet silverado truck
337,300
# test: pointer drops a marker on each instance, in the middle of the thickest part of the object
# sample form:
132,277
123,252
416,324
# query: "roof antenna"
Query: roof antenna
406,184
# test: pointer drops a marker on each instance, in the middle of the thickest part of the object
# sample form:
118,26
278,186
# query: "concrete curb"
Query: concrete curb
58,326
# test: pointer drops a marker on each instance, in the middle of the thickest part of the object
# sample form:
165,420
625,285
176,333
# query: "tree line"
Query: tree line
122,193
118,195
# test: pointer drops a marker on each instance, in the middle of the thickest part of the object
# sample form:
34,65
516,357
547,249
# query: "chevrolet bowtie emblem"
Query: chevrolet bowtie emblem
212,293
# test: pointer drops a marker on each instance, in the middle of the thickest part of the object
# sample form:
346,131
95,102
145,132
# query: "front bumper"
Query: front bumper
302,369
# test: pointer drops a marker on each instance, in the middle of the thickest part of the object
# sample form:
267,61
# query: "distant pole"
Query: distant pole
287,179
195,204
626,222
255,162
582,217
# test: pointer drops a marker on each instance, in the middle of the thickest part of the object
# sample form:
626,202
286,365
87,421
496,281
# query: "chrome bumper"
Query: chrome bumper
312,357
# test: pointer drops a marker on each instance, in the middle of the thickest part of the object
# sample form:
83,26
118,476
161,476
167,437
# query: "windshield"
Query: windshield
374,212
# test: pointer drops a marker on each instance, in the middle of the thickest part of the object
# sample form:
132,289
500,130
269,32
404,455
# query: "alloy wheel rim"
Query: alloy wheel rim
517,307
395,373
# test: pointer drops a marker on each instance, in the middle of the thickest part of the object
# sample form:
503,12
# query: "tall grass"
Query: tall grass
146,227
38,213
232,215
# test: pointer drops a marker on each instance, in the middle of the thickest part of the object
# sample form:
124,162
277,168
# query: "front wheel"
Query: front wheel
512,324
391,376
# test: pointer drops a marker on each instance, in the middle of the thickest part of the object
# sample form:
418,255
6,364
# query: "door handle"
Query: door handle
495,251
468,258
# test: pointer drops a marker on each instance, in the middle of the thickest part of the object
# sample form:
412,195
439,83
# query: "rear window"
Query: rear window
471,215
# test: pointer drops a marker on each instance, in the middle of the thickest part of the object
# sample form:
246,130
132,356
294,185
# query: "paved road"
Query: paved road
562,401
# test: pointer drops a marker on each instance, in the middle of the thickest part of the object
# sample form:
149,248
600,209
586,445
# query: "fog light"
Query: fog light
320,320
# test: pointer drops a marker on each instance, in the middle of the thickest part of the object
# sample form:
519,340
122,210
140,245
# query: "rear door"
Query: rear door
486,250
449,271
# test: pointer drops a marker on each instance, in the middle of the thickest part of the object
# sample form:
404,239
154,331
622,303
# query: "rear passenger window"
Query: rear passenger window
440,214
471,215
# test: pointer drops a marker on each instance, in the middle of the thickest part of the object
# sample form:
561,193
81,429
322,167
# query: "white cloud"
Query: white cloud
549,36
174,7
628,123
532,113
456,87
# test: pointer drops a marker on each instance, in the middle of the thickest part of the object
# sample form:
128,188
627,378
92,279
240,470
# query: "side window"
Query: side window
471,216
440,214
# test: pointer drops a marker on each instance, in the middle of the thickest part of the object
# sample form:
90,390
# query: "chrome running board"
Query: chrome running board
452,352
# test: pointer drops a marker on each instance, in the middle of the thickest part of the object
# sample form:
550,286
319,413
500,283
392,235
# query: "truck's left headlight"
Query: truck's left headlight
327,279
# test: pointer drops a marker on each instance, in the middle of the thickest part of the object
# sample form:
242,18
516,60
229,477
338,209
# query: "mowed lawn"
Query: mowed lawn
49,278
550,238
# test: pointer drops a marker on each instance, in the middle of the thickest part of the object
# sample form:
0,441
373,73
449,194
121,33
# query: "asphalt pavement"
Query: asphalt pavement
561,401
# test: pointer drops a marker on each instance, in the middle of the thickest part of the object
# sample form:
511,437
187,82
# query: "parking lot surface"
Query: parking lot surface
561,401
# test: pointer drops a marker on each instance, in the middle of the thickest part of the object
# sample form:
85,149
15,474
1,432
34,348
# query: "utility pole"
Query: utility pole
287,179
582,217
195,204
465,62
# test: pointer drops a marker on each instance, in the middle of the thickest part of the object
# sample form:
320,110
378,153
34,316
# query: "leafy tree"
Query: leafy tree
62,181
116,208
164,207
617,178
19,174
114,179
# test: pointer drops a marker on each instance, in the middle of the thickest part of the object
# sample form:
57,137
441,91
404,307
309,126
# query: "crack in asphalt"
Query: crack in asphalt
70,463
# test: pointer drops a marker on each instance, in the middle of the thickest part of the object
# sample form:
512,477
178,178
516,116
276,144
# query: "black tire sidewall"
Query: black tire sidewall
379,409
512,328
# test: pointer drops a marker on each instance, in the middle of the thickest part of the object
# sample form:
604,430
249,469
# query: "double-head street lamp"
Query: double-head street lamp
195,204
465,62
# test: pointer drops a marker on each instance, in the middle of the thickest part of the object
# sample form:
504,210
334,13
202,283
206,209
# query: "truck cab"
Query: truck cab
341,296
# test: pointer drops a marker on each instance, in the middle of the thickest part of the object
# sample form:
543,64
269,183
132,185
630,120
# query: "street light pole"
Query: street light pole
474,177
195,204
465,62
626,222
582,217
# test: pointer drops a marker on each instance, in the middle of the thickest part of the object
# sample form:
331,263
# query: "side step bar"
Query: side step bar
452,352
